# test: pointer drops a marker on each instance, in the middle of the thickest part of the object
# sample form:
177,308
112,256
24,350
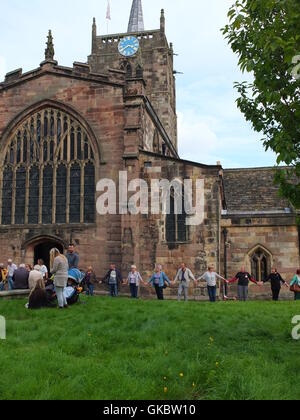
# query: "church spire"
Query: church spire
136,20
49,52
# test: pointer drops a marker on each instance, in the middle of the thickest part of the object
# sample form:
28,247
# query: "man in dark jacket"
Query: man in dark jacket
276,282
113,278
243,278
20,278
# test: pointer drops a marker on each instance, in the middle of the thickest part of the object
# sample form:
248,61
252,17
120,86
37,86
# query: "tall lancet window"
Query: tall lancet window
48,173
175,224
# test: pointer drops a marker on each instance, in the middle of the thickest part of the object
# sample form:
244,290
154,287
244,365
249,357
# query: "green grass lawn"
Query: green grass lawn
123,349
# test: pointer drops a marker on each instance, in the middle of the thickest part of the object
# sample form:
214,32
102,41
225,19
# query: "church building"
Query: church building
64,129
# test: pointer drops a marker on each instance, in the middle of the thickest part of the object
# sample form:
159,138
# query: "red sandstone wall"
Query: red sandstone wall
102,107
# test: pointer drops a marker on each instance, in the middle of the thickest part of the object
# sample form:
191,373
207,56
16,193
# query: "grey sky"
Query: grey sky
210,126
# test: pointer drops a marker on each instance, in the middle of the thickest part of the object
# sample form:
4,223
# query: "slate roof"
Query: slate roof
252,190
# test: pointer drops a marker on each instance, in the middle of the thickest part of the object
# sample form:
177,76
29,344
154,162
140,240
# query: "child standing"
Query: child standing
90,281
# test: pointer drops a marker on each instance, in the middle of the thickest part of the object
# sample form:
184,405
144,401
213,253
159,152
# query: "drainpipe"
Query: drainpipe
225,233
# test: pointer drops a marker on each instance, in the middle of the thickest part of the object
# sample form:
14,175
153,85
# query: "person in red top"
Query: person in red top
243,278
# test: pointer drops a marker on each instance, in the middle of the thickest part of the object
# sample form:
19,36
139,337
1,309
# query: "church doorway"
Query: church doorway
42,251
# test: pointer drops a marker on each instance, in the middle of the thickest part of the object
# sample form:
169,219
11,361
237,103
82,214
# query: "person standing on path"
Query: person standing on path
211,279
134,281
72,257
296,284
276,282
159,281
59,268
184,277
114,279
90,281
243,278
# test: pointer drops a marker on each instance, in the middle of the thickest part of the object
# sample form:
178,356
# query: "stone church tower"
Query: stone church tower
154,63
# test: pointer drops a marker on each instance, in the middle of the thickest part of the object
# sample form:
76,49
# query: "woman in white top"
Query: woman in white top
211,278
44,269
134,280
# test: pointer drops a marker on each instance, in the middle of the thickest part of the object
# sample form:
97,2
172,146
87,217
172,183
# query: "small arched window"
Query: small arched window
128,71
48,173
260,264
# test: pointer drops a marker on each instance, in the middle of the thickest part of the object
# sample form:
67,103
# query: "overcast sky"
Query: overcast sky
211,128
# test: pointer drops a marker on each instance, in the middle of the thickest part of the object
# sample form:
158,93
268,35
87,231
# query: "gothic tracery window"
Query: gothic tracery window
48,175
260,264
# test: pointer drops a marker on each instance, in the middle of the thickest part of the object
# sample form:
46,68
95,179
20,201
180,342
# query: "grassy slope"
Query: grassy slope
121,349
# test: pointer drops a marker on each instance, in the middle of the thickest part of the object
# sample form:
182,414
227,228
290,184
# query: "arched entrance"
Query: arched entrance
39,248
42,251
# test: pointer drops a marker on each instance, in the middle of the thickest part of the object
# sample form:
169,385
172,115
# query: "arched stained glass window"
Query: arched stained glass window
48,173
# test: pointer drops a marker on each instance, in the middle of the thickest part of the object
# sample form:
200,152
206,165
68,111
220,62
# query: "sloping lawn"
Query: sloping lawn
123,349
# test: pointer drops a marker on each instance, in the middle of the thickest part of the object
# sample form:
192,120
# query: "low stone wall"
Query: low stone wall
14,294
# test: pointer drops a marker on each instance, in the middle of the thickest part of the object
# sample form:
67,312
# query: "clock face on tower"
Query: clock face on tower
129,46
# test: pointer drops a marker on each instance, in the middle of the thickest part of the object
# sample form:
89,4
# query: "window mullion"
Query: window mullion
41,195
22,144
69,141
27,194
13,205
54,194
82,166
68,195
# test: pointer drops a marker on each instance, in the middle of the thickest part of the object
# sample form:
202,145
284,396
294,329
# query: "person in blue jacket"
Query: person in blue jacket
159,280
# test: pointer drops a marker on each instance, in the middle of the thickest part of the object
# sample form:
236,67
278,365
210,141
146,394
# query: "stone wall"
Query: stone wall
148,232
99,101
278,236
119,116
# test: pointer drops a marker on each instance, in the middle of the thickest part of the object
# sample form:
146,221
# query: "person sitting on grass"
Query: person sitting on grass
114,279
3,277
134,280
211,279
20,278
295,284
90,281
38,297
11,268
29,267
159,281
34,276
243,278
